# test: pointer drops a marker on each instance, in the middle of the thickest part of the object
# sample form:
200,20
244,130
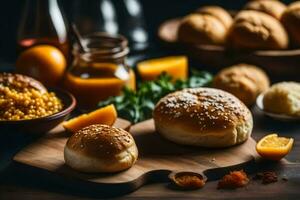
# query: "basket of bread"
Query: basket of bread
263,32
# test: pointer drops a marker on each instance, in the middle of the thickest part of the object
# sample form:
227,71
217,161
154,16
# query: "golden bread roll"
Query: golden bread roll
217,12
294,5
203,117
291,21
100,148
201,29
244,81
271,7
254,30
283,98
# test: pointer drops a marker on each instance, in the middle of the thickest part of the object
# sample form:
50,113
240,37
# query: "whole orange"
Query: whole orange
43,62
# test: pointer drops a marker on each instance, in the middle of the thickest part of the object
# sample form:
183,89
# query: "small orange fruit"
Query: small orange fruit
106,115
175,66
273,147
43,62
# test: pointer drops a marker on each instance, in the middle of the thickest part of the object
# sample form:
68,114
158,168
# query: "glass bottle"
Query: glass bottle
131,22
43,22
95,16
99,72
125,17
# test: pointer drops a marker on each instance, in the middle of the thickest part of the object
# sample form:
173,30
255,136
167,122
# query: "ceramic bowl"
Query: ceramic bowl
43,124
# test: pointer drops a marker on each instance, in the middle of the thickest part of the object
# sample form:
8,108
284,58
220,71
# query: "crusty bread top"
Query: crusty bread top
291,21
218,12
294,5
100,141
271,7
257,30
201,29
240,78
201,109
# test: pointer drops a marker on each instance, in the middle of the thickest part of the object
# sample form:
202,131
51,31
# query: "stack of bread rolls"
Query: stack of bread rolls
260,25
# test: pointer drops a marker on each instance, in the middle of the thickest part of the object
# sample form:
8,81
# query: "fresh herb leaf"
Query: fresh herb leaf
137,106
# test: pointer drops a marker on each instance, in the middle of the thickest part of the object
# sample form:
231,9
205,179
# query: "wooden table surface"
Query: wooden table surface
15,183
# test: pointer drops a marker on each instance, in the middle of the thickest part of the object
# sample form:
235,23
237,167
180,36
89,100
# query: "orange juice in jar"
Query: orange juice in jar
100,72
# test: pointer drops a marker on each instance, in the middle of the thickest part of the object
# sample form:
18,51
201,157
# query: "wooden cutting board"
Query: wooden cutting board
155,155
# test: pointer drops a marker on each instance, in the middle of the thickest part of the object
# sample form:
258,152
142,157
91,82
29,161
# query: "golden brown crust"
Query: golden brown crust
270,7
100,141
201,110
201,29
291,21
244,81
252,30
216,11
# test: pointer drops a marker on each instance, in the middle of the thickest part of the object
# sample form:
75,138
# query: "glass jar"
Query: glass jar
101,71
43,22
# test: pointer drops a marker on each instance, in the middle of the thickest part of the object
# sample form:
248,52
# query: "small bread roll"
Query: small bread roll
271,7
203,117
244,81
283,98
291,21
218,12
256,30
100,148
201,29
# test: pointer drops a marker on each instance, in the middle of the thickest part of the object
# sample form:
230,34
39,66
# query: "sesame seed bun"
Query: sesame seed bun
100,148
203,117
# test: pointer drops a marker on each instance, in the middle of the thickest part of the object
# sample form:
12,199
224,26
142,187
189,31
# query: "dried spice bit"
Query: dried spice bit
269,177
266,177
233,180
188,180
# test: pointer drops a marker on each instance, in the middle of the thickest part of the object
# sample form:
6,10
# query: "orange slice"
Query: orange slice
175,66
273,147
106,115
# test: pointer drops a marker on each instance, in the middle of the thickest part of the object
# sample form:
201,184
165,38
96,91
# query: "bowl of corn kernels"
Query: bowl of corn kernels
27,106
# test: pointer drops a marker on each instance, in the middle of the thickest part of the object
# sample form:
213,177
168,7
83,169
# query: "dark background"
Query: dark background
155,12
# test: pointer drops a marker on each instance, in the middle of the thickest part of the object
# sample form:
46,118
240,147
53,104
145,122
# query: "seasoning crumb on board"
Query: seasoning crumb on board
233,180
266,177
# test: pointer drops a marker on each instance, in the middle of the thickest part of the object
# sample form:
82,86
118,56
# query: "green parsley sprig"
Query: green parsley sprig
137,106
